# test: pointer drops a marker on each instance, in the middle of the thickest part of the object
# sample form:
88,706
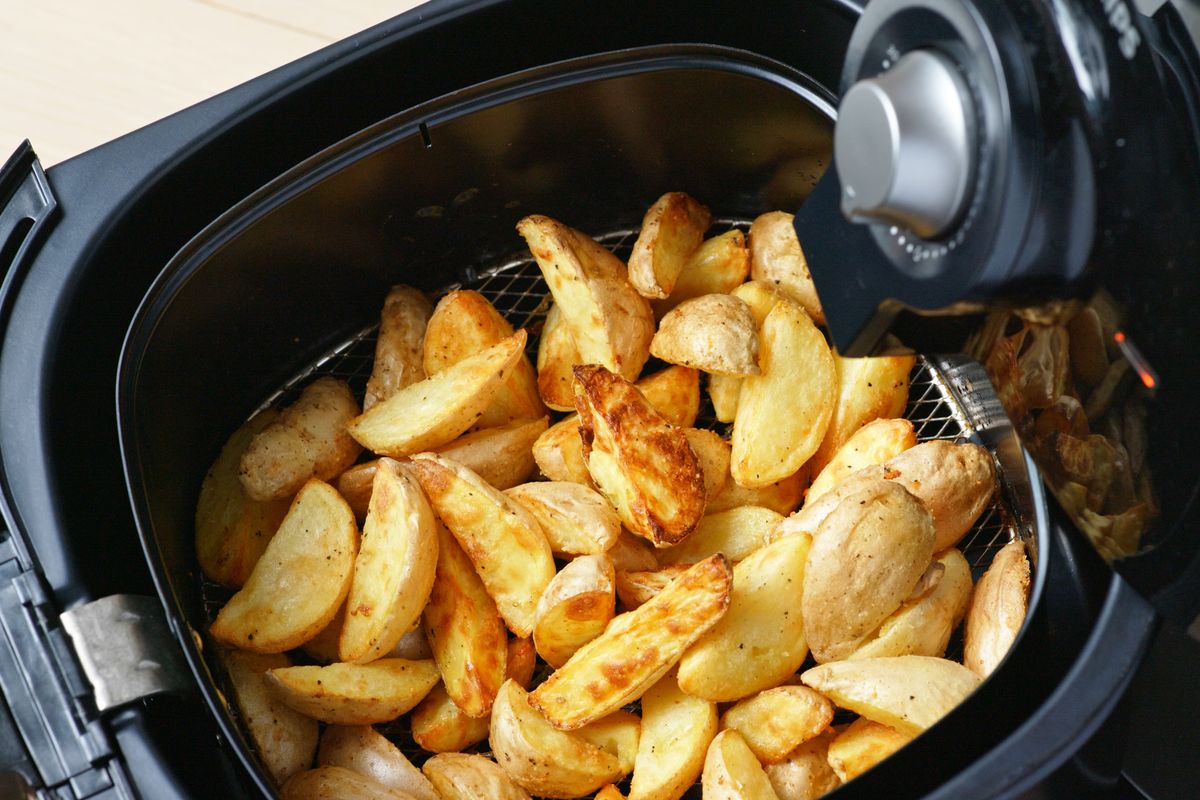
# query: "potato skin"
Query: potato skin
776,258
286,739
672,229
364,750
997,610
323,783
715,333
463,776
805,774
399,345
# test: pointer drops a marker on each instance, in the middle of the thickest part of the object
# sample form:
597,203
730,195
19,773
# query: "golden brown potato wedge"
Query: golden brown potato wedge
713,454
674,392
575,608
776,721
355,694
556,356
609,792
502,456
873,443
736,532
776,258
672,230
433,412
642,464
502,539
393,572
618,734
731,771
399,345
559,452
760,296
718,266
783,413
610,323
997,610
636,649
715,333
761,639
308,440
362,749
464,776
301,580
863,745
631,554
325,783
781,497
676,731
232,530
908,693
576,519
724,392
636,588
805,773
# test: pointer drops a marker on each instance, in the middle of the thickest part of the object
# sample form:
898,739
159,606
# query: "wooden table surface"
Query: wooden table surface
77,73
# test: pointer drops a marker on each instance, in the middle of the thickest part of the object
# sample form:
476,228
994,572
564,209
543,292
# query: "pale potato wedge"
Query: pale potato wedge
301,580
393,572
776,258
632,554
637,587
873,443
641,463
636,649
399,344
866,558
556,356
558,452
285,739
782,497
783,413
805,773
724,392
610,323
433,412
362,749
731,771
232,529
465,630
672,230
997,610
503,540
575,608
718,266
308,440
908,693
862,745
618,734
464,776
326,783
715,333
736,532
760,641
541,758
712,452
676,731
776,721
355,694
575,519
502,456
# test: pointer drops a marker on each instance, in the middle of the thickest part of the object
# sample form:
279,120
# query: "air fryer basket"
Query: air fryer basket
288,284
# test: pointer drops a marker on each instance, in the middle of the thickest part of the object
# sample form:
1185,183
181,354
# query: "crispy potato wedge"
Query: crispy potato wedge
676,731
761,639
873,443
355,694
465,630
863,745
776,721
399,345
540,758
301,580
575,608
715,333
285,739
718,266
805,773
556,356
393,572
308,440
636,649
618,734
997,610
575,519
781,497
433,412
724,392
232,530
736,532
632,554
782,414
463,776
637,587
364,750
908,693
502,456
776,258
324,783
672,230
643,465
713,454
610,323
731,771
865,560
502,539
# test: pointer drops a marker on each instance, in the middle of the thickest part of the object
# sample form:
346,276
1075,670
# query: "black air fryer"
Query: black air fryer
1017,158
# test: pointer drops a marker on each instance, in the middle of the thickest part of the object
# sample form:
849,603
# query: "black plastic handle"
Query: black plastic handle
26,205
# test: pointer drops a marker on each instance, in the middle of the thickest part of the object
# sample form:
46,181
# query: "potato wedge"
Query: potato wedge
308,440
618,734
863,745
556,356
761,297
355,694
502,539
776,721
637,587
502,456
575,519
736,532
399,345
873,443
672,230
609,321
301,580
715,333
731,772
354,485
997,610
908,693
463,776
364,750
776,258
632,554
674,392
718,266
760,641
636,649
805,773
413,645
232,530
643,465
465,630
540,758
781,497
865,560
609,792
285,739
323,648
433,412
676,731
575,608
559,452
323,783
393,572
782,414
724,392
712,452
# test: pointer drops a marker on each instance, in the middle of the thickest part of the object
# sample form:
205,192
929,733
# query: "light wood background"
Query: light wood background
77,73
